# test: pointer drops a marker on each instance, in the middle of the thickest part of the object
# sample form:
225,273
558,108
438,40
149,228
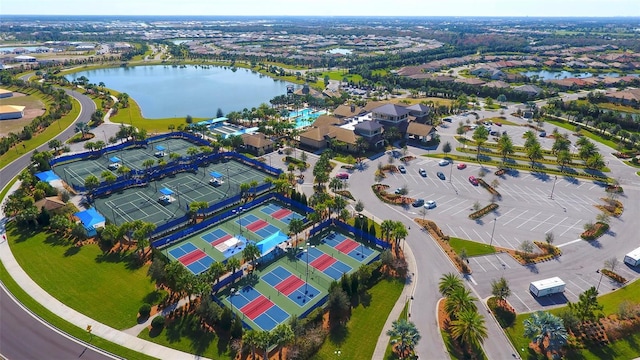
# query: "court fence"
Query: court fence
350,229
177,236
181,164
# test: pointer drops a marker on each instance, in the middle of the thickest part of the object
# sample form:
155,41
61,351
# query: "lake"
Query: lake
556,75
166,91
340,51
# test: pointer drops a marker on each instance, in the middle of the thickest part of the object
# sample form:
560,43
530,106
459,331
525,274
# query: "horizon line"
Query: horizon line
343,16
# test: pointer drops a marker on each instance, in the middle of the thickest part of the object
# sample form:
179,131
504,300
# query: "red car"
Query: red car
473,180
342,176
462,166
497,124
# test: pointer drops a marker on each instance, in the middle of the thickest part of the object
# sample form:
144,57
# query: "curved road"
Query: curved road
21,335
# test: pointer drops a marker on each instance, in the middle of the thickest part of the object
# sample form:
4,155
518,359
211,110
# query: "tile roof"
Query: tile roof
391,109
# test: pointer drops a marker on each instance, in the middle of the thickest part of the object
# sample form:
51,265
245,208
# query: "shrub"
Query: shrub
505,315
595,231
482,212
157,322
144,310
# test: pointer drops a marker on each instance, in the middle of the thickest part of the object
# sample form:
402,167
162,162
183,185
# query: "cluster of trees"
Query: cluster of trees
466,325
590,114
60,105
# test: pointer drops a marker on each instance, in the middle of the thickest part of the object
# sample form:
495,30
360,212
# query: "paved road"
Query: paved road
21,336
24,337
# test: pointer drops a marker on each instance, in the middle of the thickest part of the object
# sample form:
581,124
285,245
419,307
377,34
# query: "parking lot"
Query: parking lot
564,215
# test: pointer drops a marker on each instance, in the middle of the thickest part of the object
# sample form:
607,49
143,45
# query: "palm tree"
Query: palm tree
264,342
595,161
458,301
296,226
534,153
386,227
404,334
82,128
543,325
251,253
563,158
399,232
335,184
108,176
469,328
480,135
124,171
505,146
587,150
195,208
232,265
55,144
449,283
253,184
282,335
250,338
91,182
216,270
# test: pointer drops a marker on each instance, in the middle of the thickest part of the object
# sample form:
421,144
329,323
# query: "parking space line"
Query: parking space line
529,219
514,218
453,233
481,267
571,227
507,241
480,236
465,234
502,263
585,281
576,285
505,214
624,269
571,292
492,264
554,226
459,211
543,222
523,303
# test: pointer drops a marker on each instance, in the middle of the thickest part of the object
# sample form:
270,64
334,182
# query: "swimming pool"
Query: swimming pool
305,117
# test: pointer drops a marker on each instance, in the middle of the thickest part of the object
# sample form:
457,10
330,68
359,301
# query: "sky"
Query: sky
531,8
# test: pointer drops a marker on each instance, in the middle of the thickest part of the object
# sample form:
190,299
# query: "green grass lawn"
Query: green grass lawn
185,335
473,248
63,325
366,323
107,288
43,137
626,348
591,135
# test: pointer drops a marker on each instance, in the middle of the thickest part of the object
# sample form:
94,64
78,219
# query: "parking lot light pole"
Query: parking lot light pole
306,280
492,231
361,235
599,281
554,186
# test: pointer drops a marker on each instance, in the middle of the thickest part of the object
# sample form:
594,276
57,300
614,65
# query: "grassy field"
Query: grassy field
63,325
473,248
185,335
591,135
365,325
107,288
43,137
626,348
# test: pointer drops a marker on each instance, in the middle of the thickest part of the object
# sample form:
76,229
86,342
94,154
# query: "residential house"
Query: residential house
257,143
471,81
625,97
530,90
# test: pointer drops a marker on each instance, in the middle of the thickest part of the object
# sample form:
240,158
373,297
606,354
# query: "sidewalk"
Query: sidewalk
52,304
406,295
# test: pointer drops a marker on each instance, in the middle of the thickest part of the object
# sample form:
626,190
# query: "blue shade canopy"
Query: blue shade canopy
166,191
90,218
47,176
215,174
114,159
270,242
160,148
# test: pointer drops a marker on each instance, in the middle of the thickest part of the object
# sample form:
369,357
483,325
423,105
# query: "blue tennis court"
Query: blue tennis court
247,219
270,209
334,271
293,287
267,231
199,266
361,253
271,318
183,249
213,235
294,215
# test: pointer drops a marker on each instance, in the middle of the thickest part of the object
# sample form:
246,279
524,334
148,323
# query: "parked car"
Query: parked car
423,172
443,162
543,134
398,191
440,175
418,203
494,133
473,180
342,176
159,154
402,169
114,166
497,124
447,119
430,204
462,166
473,127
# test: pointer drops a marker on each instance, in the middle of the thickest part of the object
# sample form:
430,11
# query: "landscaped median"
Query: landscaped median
594,231
484,211
395,199
443,241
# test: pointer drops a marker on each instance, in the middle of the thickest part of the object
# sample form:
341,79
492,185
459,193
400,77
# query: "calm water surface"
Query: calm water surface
165,91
